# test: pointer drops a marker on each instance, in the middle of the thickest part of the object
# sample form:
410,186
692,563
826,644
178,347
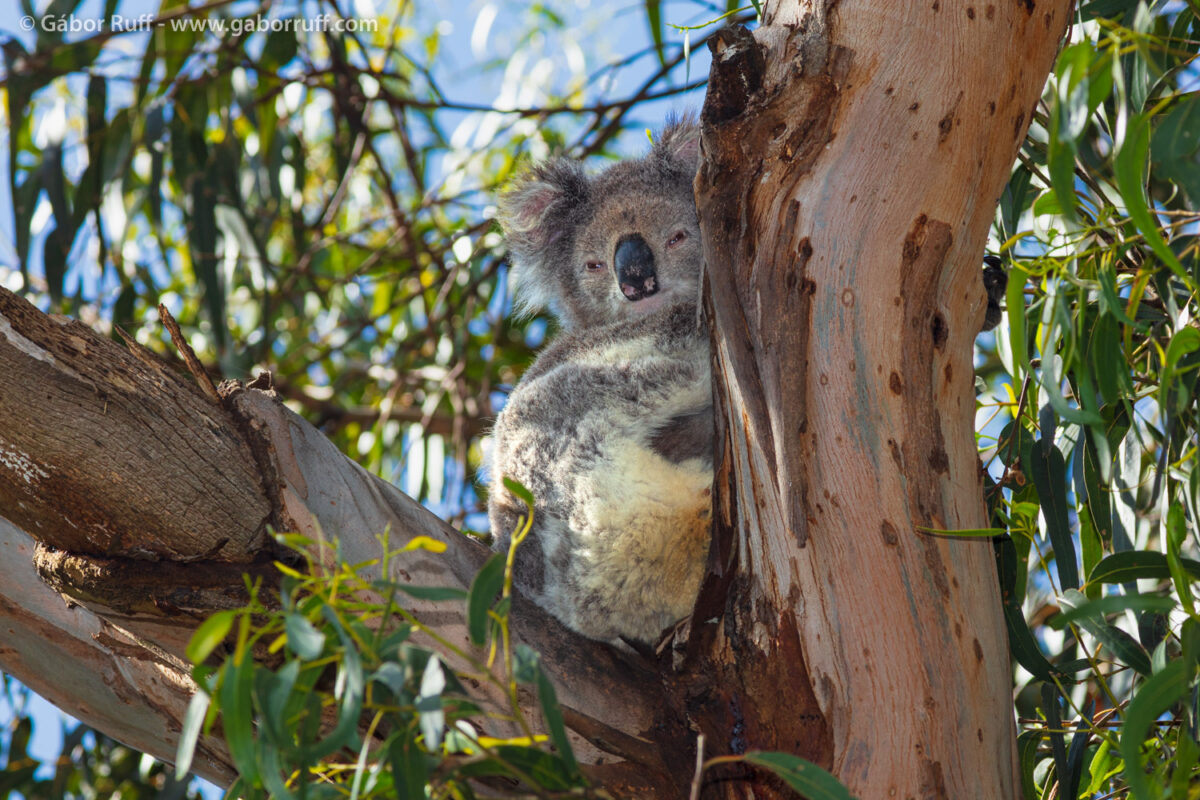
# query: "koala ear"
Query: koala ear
527,209
534,214
680,142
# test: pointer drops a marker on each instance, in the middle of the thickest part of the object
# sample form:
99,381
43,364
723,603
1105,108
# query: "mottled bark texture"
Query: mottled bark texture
853,153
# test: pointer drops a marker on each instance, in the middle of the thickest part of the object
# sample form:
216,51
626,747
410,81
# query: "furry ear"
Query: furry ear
534,213
680,142
527,209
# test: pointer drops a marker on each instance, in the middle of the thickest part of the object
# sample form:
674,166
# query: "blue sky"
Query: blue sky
479,33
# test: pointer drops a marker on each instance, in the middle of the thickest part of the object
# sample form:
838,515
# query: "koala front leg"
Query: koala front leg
995,282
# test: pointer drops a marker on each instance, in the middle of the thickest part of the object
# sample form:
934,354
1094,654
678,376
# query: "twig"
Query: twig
699,773
189,355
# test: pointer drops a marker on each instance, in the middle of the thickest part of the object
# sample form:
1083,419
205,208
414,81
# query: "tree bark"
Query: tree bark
853,156
79,411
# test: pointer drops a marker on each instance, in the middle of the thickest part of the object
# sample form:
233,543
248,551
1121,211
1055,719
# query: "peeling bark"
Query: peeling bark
853,153
79,437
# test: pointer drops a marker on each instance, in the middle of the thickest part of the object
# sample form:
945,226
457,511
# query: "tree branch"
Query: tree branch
141,579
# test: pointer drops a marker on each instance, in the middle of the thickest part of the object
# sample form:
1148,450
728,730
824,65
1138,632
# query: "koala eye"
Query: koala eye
677,238
594,266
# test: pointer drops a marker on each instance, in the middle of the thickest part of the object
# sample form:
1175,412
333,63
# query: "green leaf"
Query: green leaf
1013,200
654,20
488,583
350,686
1176,536
1110,300
429,704
274,693
272,773
548,771
1185,340
1130,170
554,721
302,638
519,491
525,664
193,722
1049,473
1131,565
1097,504
803,776
1051,700
1124,647
1109,605
1028,744
237,715
209,635
1157,694
1020,639
1104,765
435,594
1190,639
1178,133
1014,299
203,241
410,768
280,48
1187,753
1091,548
966,533
1060,155
54,262
1108,359
1048,203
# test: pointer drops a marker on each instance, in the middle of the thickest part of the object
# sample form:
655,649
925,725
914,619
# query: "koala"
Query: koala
611,427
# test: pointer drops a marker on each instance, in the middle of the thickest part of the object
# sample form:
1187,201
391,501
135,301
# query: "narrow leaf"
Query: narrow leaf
209,635
487,584
193,722
302,638
1111,604
1155,696
803,776
1049,474
237,716
554,721
1130,169
1131,565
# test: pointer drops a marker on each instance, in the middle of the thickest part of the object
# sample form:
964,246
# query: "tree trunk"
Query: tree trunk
853,155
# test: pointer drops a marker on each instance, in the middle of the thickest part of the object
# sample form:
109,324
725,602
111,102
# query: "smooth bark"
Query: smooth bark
853,156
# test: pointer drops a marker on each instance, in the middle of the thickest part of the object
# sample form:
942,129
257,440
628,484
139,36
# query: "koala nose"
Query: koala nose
634,265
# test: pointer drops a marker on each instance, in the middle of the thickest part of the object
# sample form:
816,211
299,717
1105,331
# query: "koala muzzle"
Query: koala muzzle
634,265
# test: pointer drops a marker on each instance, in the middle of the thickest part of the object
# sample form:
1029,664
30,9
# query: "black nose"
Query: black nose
634,264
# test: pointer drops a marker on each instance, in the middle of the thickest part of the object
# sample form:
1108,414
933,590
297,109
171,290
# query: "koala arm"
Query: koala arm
686,436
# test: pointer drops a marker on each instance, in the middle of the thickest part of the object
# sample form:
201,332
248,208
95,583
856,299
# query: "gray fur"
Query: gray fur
611,427
556,219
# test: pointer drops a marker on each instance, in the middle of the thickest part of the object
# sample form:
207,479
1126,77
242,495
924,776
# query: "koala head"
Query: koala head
610,247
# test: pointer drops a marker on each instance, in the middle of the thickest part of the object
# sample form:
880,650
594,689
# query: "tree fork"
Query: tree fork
852,157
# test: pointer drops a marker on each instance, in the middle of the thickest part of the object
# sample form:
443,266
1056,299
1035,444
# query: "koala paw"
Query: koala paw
995,281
